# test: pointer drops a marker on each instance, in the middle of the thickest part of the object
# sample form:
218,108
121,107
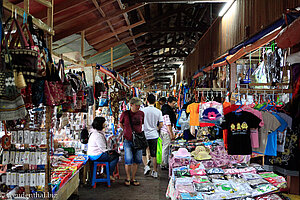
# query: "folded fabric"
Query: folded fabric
223,186
198,172
204,187
215,171
185,188
231,171
277,181
256,182
263,189
193,195
250,176
267,174
200,179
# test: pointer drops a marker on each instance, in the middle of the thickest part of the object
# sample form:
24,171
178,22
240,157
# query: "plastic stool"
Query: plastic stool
116,172
95,180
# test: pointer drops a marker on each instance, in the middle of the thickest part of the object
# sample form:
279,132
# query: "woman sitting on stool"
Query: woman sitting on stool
97,146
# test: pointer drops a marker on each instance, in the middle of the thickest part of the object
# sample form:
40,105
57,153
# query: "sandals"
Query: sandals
135,182
127,182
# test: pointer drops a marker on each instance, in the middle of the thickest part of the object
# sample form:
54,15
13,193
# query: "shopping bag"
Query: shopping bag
159,151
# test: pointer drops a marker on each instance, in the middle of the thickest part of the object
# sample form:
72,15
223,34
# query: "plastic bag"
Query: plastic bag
159,151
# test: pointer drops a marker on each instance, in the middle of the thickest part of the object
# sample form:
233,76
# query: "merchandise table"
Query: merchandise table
217,175
70,187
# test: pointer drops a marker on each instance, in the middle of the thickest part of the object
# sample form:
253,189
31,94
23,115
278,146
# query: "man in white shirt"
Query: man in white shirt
153,121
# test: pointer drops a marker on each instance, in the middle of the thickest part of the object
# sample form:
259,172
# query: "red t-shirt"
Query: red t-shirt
137,122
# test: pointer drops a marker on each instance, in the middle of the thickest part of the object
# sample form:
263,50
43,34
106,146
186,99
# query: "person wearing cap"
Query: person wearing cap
133,157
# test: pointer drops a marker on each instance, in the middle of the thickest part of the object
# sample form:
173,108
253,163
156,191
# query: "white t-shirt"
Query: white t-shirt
152,117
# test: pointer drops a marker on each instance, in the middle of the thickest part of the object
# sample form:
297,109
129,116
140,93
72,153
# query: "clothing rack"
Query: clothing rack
212,89
265,91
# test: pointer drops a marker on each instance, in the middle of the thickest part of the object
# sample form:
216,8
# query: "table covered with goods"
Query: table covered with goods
204,170
65,174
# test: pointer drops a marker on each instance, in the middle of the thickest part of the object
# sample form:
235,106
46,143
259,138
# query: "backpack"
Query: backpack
84,136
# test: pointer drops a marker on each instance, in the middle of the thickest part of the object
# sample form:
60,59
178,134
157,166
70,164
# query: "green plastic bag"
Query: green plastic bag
159,151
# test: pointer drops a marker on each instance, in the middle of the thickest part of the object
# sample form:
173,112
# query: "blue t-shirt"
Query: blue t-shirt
271,148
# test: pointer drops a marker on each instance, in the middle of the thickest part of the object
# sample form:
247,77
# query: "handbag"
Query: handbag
54,93
23,59
138,139
19,80
11,103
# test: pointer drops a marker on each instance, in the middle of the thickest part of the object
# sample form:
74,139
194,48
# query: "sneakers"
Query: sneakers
154,174
146,170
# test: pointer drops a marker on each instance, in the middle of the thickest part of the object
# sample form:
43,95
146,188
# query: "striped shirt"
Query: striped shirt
166,122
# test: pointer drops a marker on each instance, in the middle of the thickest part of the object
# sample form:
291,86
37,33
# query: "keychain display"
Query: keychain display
6,142
14,137
5,157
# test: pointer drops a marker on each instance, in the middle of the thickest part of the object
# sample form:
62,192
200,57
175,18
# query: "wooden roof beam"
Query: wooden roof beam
101,50
61,7
20,11
46,3
168,56
118,31
65,21
102,13
91,24
175,1
151,29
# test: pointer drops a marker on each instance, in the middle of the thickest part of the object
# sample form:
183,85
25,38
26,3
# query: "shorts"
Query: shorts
152,147
132,155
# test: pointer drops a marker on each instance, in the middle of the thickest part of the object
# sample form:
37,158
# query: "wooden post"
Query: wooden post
111,58
26,166
94,75
82,43
48,108
233,76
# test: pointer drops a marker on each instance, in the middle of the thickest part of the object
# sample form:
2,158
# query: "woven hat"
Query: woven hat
200,153
182,152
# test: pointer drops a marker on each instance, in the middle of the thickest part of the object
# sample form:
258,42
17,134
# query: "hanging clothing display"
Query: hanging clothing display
194,114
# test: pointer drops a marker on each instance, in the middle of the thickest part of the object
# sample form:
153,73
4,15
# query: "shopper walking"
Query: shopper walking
97,146
167,131
152,123
133,157
160,103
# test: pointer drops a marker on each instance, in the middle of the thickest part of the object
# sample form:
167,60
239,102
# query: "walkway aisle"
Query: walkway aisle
150,188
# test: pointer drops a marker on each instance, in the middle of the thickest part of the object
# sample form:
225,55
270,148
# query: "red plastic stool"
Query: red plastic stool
116,172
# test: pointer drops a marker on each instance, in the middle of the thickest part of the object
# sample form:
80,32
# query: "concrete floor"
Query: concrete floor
150,188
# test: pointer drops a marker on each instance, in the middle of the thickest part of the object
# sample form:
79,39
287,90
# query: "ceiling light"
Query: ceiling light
226,7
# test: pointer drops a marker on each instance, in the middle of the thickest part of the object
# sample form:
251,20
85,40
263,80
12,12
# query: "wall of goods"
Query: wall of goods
243,20
43,108
253,86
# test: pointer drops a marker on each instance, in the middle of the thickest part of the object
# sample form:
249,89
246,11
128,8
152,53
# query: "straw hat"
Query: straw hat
200,153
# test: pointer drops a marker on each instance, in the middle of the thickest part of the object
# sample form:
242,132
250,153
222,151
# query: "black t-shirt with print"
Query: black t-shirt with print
238,126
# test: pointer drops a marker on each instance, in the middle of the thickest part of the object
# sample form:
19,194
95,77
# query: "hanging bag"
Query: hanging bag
138,139
23,59
54,93
11,103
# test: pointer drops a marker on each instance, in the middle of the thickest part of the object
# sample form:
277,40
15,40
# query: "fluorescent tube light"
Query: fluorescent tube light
226,7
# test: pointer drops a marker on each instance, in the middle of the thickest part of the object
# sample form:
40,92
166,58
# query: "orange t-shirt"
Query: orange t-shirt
194,114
